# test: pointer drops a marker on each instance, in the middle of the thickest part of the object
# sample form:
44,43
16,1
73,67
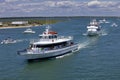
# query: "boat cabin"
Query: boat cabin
49,35
50,40
52,46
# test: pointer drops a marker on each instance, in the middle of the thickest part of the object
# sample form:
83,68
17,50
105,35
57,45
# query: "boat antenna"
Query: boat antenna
47,28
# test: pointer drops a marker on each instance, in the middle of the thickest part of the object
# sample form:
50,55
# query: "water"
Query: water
97,59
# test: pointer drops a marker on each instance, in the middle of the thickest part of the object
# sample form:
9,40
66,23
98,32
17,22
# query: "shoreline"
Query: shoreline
12,27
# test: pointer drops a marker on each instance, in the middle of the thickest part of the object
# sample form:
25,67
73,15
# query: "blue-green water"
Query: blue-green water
97,59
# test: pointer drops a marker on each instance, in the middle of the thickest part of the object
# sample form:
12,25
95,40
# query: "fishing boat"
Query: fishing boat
49,45
29,30
8,41
93,29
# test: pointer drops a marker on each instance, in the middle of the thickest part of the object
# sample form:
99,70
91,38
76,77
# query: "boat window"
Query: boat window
55,36
32,45
50,37
38,46
40,36
45,37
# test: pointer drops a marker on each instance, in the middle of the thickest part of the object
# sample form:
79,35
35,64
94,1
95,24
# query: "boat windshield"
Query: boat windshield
32,46
48,37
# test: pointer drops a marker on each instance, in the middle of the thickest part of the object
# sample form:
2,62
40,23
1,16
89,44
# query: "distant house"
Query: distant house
19,23
1,24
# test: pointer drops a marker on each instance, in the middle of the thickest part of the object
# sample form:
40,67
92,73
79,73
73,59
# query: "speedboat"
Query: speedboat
49,45
114,25
29,30
103,21
8,41
93,28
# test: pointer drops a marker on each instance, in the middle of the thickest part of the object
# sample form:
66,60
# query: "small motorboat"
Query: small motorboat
103,21
8,41
29,31
114,25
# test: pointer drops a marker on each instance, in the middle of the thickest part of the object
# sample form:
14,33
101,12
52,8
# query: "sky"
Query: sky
37,8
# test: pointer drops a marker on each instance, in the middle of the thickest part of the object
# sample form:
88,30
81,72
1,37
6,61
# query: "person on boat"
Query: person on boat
71,43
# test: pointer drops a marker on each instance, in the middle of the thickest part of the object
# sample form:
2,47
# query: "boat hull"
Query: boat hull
50,53
29,32
91,33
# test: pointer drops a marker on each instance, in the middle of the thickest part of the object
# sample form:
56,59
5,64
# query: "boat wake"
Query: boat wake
59,57
21,40
83,45
15,41
84,34
80,46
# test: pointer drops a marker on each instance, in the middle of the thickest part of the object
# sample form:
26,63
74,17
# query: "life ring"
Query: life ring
52,40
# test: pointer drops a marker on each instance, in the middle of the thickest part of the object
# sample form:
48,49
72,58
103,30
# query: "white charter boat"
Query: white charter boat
29,30
93,28
49,45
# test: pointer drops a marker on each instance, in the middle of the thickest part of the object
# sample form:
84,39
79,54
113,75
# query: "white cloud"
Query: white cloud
11,0
37,7
49,3
102,4
65,4
94,3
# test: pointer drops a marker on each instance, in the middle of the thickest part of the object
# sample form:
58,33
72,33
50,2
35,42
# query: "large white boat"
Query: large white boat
93,28
49,45
29,30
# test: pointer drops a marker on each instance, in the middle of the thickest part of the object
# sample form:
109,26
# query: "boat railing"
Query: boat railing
64,37
37,40
60,37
